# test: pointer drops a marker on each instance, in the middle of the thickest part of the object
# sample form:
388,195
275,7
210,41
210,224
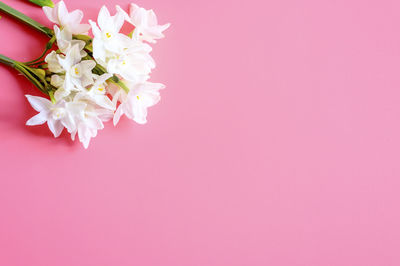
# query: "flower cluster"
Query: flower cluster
91,80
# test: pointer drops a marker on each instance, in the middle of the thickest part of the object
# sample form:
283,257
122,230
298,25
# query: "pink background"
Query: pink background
276,143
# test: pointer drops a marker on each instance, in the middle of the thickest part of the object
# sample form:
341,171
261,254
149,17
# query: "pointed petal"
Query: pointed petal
96,31
132,9
119,9
39,103
80,28
62,12
69,123
151,18
103,18
140,114
75,54
88,64
84,135
75,17
118,20
105,102
73,134
55,127
117,115
38,119
50,14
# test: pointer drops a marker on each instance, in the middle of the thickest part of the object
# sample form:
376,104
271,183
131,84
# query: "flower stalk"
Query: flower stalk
48,3
34,75
47,48
25,19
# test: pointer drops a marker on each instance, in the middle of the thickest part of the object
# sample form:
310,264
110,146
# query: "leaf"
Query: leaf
43,2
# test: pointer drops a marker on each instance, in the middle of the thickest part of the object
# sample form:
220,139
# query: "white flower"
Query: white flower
65,41
57,116
89,123
97,93
71,21
134,104
135,64
76,116
107,39
78,74
145,22
52,62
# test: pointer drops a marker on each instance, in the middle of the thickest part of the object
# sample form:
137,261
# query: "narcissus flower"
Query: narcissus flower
78,74
57,116
69,20
65,41
107,39
135,103
91,80
97,94
145,22
89,123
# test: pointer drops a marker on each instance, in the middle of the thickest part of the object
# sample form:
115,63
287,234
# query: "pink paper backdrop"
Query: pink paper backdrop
276,143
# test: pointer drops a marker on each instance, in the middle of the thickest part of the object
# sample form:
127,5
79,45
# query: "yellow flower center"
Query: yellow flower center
108,35
137,97
58,113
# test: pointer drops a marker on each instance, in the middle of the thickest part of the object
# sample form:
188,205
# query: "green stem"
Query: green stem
25,19
48,47
7,61
114,79
30,76
42,2
21,68
35,63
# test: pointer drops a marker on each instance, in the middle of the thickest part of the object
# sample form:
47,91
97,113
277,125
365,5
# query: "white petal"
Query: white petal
87,65
79,28
151,18
39,103
104,114
69,123
55,127
74,17
38,119
96,31
84,135
116,96
50,14
118,20
105,102
53,62
62,12
103,18
117,115
119,9
73,134
68,83
57,81
140,114
75,55
61,93
103,78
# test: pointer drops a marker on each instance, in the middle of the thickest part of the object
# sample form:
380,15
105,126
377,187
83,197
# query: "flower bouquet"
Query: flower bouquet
90,80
